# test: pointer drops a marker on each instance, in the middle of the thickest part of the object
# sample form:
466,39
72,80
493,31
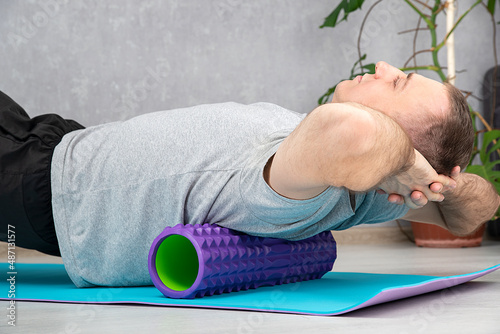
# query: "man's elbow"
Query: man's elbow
347,127
347,136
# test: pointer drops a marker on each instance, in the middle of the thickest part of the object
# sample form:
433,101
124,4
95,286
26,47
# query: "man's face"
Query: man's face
398,95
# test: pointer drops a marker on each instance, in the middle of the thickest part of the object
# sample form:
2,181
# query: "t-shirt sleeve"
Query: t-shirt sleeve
381,210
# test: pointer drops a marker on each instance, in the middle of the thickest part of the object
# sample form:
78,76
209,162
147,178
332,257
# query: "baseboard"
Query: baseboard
23,255
357,235
372,235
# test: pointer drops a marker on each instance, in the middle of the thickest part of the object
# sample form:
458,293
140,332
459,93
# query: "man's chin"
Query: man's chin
337,97
339,91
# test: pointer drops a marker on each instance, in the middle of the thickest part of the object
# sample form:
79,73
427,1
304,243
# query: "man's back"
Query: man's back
120,182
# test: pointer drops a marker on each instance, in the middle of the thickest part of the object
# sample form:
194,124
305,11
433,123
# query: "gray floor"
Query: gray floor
470,308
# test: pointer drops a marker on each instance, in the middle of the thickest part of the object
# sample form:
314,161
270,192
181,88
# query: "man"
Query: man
418,105
259,169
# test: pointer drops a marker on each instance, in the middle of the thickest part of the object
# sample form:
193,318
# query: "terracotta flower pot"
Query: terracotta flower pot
427,235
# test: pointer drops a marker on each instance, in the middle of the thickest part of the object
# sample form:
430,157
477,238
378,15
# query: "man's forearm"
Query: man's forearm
339,145
473,202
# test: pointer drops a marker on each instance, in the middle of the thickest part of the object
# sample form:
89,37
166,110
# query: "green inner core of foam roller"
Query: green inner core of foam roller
177,262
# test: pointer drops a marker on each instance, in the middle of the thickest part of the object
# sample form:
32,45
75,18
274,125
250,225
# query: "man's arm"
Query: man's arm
464,209
351,146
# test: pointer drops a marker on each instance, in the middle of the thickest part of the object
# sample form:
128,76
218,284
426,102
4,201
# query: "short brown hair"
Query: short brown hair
448,142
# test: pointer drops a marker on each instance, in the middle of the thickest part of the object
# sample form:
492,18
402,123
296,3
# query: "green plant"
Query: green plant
488,152
487,141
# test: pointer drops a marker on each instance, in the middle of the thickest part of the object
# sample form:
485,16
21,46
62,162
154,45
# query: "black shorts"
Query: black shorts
26,147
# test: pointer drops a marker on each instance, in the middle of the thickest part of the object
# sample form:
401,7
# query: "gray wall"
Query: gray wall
98,61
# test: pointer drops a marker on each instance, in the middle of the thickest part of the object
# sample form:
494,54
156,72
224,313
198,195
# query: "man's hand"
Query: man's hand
417,185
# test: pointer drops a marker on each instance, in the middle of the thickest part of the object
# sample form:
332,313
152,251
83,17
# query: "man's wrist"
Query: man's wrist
473,202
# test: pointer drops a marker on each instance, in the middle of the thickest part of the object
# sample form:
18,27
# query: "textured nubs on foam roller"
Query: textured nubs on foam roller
189,261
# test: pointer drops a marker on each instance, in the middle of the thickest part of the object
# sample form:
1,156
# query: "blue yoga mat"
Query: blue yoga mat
336,293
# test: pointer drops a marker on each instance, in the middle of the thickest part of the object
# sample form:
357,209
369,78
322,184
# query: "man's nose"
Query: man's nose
384,70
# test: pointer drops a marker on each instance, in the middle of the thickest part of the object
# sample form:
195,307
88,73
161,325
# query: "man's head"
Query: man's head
435,115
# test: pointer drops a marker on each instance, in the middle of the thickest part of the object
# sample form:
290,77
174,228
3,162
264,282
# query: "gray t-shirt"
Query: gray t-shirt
116,186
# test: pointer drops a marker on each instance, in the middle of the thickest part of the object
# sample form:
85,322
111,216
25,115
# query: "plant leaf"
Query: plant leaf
488,138
494,148
370,68
488,174
491,6
348,6
495,174
490,165
478,170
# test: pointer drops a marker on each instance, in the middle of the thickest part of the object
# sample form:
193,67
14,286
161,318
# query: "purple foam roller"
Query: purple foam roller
190,261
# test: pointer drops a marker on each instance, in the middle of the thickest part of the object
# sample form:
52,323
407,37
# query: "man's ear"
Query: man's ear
455,172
